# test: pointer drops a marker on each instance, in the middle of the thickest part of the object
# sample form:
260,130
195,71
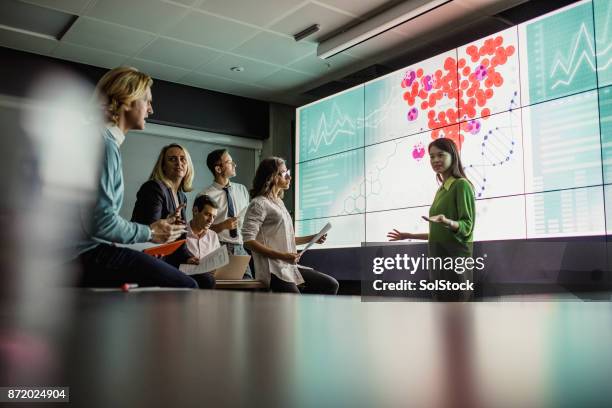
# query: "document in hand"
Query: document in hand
323,231
216,259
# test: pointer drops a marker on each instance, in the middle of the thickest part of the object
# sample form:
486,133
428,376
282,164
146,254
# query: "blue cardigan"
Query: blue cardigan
105,224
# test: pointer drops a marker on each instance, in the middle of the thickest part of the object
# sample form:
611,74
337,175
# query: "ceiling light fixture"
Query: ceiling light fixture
376,25
306,32
237,69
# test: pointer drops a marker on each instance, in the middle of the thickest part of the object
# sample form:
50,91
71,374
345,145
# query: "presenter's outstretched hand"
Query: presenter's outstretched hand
290,257
395,235
166,230
438,219
322,239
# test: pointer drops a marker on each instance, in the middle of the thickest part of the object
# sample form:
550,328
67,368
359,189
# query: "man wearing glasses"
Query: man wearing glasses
232,198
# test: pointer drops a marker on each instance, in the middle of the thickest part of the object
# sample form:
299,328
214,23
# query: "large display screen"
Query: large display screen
530,109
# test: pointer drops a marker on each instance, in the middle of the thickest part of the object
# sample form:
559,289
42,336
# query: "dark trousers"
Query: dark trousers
315,282
111,266
205,280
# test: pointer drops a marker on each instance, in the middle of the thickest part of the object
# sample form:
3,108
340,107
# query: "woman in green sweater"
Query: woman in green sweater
451,215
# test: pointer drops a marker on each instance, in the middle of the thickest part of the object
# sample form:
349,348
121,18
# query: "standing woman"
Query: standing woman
164,194
268,233
125,97
451,215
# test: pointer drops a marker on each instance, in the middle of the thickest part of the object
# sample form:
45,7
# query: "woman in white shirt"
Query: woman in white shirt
268,232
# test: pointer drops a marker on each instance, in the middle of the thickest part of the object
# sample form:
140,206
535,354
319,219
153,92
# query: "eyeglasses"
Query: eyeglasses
230,162
285,174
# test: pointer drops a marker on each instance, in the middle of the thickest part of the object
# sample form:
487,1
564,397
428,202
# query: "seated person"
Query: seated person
200,241
125,97
164,194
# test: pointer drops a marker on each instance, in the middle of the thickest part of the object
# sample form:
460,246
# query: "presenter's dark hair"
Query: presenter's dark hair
213,159
264,177
450,147
203,200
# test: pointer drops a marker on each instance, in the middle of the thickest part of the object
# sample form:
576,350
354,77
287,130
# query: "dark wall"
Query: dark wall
573,262
174,104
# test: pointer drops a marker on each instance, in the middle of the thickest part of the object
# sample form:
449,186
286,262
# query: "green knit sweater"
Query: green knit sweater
454,199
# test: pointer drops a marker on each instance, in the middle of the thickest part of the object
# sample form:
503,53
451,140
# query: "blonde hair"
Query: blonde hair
120,87
158,170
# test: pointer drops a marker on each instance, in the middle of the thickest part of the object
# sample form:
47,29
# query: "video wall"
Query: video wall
529,107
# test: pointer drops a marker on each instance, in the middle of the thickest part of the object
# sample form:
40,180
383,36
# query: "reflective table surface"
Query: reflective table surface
222,348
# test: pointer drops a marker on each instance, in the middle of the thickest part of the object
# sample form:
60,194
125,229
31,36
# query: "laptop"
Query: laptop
235,269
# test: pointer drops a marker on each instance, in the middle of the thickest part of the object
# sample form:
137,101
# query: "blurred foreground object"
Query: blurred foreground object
51,153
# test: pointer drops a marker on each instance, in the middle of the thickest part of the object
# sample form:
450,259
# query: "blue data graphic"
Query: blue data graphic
603,41
564,148
605,113
559,56
331,186
572,212
529,108
331,126
346,230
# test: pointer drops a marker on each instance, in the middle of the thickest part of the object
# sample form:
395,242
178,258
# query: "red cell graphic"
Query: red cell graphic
472,126
472,82
413,114
418,152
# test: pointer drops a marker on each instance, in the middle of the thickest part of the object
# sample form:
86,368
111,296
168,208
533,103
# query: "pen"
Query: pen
127,286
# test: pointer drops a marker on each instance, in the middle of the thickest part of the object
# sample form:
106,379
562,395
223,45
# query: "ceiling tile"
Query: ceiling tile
211,31
259,13
32,18
275,48
26,42
253,70
183,2
285,79
245,90
107,37
70,6
220,84
176,53
308,15
149,15
88,56
158,71
359,8
317,66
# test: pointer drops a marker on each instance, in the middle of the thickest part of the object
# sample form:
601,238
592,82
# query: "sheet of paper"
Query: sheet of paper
216,259
323,231
308,268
